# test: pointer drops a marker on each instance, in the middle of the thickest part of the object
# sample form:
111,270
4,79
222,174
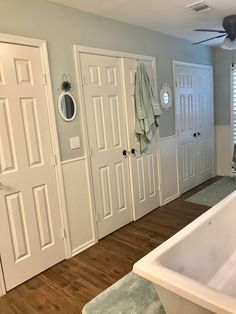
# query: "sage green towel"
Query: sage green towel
148,109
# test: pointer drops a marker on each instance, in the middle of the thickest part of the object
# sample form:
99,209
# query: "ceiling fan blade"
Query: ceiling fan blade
210,30
202,41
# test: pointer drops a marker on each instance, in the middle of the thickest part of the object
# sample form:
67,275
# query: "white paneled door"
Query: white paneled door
30,224
104,103
194,124
143,167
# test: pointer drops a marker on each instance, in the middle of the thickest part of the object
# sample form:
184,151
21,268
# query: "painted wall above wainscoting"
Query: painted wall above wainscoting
62,27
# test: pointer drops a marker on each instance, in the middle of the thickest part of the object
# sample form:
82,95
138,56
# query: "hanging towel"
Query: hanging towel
148,109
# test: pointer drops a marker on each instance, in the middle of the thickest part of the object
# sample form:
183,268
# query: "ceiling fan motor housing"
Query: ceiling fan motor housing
229,24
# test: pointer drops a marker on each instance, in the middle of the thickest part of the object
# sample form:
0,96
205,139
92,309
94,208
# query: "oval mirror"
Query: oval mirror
166,97
67,106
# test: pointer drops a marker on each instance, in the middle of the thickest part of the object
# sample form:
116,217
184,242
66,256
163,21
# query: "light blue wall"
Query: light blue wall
222,65
62,27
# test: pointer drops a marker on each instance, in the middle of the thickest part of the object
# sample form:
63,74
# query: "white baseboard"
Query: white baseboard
223,149
169,169
2,285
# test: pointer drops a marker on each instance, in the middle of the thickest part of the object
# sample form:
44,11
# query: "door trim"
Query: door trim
78,49
42,45
197,66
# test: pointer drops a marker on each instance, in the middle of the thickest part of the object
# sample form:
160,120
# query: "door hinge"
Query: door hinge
54,160
90,151
63,233
45,81
83,80
97,217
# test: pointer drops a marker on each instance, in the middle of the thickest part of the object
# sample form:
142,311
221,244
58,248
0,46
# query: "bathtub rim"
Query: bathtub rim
150,268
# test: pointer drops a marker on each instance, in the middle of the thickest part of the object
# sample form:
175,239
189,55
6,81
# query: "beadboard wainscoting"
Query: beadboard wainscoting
169,169
79,204
223,149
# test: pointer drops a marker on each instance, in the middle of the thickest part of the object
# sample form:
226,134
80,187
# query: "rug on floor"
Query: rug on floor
132,294
215,192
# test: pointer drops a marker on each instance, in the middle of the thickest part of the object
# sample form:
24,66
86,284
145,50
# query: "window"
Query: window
234,103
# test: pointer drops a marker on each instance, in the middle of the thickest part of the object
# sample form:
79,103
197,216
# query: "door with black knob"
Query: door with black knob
107,138
194,124
143,167
204,124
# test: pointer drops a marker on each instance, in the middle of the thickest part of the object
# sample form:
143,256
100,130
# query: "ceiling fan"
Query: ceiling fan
229,32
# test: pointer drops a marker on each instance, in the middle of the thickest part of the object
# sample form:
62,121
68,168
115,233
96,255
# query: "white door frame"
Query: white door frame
199,66
118,54
42,45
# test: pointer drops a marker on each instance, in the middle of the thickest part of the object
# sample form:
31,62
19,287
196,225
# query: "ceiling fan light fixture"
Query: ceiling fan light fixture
228,44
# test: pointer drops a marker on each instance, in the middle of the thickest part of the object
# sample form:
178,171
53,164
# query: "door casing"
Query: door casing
42,45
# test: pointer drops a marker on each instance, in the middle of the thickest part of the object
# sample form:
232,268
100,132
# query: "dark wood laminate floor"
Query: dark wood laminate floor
68,286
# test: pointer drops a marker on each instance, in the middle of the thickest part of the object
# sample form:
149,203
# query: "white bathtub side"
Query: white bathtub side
174,304
155,268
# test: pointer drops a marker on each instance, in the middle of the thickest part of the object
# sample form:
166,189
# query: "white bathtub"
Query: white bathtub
194,272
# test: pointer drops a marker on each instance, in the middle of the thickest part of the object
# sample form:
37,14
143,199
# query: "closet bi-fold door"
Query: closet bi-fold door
104,104
143,167
30,222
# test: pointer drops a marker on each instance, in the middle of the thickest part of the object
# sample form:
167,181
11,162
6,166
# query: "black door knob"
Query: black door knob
194,134
133,150
124,152
198,133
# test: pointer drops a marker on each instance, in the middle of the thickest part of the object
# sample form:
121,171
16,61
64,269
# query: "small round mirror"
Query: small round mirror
67,106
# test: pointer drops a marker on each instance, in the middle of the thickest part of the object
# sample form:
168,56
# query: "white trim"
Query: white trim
111,53
84,128
82,247
42,45
25,41
2,283
55,147
192,65
68,161
231,110
167,137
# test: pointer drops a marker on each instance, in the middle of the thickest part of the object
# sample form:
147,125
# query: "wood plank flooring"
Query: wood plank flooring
69,285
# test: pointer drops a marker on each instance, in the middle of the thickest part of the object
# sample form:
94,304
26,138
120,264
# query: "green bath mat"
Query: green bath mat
132,294
215,192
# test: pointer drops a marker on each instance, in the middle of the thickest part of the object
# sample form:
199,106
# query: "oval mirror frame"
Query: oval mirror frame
60,104
166,97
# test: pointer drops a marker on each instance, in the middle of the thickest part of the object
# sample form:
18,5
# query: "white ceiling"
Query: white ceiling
167,16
